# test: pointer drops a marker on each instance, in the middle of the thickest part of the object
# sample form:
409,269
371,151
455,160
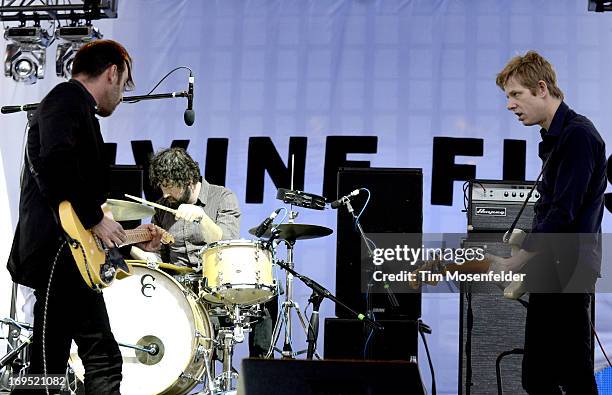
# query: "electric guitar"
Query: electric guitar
512,290
98,265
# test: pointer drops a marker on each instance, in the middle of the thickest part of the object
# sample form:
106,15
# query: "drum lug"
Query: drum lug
201,352
187,376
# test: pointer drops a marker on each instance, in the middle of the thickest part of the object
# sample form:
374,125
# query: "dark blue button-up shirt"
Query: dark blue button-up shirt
573,184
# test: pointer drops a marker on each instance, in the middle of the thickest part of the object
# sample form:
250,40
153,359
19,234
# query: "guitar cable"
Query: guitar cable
46,308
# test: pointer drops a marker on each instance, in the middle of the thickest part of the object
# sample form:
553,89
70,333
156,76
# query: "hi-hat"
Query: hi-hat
296,231
124,210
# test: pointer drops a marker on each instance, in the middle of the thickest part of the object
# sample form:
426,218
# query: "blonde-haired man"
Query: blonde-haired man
562,276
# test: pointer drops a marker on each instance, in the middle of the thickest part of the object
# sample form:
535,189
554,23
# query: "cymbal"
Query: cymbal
297,231
128,211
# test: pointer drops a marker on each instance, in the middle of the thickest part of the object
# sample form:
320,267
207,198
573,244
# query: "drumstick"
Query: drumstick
159,206
146,202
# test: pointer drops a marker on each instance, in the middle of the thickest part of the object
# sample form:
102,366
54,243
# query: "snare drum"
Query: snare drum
238,272
150,307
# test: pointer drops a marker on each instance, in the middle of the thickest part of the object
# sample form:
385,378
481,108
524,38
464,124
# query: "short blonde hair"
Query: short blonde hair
528,71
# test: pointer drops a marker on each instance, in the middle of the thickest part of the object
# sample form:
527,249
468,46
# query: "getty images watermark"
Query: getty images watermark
404,263
448,262
431,265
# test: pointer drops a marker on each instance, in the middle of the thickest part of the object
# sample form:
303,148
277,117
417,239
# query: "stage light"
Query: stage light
73,38
25,55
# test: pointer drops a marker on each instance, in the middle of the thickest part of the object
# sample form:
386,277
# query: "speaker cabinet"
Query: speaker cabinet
395,206
346,339
305,377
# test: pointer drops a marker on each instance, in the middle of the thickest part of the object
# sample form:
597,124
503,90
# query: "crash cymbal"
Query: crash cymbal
129,211
297,231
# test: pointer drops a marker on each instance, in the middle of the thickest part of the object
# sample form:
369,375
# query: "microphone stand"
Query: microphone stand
318,294
127,99
392,298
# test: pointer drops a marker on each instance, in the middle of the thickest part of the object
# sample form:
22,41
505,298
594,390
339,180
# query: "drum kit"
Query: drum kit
162,316
167,318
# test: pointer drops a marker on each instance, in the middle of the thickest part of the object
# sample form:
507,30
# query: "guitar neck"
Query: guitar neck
137,236
469,266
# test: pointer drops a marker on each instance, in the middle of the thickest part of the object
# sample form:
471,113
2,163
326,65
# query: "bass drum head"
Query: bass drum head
147,308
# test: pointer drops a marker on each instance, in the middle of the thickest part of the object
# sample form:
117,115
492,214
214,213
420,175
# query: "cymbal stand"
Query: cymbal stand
284,315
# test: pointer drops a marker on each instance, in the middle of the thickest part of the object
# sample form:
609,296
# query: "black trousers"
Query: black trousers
75,312
558,345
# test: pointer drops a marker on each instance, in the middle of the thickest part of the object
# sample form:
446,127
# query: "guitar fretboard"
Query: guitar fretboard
137,236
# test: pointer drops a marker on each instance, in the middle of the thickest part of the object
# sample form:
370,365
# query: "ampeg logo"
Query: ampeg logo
491,211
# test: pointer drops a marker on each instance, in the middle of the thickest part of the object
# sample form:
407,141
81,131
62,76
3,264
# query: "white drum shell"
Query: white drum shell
238,272
152,303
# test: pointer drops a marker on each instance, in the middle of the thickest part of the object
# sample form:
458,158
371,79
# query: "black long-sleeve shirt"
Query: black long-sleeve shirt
65,149
573,183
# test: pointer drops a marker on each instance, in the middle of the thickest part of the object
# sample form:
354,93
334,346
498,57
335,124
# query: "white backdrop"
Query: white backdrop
403,70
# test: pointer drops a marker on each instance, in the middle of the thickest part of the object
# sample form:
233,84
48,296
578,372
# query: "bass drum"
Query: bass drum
151,308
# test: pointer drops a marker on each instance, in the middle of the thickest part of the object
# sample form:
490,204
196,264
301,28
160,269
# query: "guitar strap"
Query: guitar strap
508,233
35,175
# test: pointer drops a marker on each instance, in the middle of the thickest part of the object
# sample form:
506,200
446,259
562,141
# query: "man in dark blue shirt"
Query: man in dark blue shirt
562,255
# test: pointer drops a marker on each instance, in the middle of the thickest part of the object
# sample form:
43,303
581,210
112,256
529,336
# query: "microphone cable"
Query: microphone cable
162,80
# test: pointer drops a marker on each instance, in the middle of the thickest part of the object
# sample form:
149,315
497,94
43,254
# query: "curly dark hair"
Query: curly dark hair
173,167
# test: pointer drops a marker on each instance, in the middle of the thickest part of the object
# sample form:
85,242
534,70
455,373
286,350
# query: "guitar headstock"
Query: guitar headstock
429,266
166,238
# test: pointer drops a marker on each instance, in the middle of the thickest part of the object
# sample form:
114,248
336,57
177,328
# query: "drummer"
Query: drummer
206,213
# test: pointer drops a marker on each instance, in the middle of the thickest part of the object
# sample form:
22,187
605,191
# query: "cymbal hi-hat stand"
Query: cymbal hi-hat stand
284,315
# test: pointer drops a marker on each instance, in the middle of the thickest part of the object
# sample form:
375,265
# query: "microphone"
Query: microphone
189,115
12,109
343,199
265,225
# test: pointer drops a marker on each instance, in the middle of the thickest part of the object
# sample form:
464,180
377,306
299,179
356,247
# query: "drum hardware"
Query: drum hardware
152,348
284,314
292,231
226,341
318,294
301,199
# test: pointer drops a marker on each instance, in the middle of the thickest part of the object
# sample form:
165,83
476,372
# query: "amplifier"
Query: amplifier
493,205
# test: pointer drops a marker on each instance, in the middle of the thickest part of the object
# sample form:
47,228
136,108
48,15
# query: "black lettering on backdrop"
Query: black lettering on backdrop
216,160
263,157
336,150
515,158
444,170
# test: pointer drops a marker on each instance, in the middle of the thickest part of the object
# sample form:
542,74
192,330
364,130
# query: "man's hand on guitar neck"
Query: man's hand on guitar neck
110,232
513,264
154,244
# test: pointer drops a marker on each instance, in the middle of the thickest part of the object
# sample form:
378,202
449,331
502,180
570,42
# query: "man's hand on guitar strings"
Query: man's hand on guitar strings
110,232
